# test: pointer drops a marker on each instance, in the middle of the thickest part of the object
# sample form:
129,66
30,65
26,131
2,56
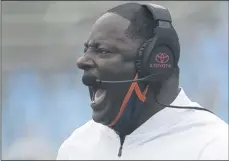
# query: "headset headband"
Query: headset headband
159,13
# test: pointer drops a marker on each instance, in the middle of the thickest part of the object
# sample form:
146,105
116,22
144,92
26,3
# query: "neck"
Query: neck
167,94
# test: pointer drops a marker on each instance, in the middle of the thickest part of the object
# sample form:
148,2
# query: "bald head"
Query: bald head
141,20
110,26
110,55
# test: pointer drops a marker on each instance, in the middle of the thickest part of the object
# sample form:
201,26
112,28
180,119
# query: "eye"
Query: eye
103,51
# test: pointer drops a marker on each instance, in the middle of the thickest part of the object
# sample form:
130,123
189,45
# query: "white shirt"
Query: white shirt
170,134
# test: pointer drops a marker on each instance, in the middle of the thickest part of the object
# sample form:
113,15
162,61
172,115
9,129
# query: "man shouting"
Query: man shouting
130,66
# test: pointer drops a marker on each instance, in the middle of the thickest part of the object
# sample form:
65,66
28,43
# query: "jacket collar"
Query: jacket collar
161,122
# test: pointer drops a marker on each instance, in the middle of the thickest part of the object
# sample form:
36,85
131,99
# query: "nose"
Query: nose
85,63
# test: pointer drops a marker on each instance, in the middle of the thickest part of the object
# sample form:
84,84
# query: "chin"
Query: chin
102,116
105,104
99,117
104,112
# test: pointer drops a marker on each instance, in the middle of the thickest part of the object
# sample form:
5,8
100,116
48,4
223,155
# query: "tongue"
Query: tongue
99,93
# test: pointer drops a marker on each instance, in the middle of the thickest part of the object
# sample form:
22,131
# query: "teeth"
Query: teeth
98,95
93,97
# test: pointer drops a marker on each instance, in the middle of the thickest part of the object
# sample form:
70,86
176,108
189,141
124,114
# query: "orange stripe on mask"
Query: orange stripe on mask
145,91
141,96
126,99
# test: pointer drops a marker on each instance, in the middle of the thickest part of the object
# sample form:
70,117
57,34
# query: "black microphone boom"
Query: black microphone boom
146,78
125,81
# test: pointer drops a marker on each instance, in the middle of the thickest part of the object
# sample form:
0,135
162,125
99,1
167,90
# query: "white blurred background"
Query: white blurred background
43,99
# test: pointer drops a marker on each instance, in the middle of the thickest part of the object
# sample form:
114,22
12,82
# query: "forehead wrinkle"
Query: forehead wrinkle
109,39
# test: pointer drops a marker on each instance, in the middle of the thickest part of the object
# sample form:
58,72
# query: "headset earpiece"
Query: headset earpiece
160,63
156,58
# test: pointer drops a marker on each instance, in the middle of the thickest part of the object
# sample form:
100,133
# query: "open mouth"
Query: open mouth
98,95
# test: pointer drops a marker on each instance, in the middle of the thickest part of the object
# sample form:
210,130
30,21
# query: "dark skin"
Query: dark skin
110,55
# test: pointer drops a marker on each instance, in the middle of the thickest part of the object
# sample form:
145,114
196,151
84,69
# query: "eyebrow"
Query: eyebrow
92,44
96,44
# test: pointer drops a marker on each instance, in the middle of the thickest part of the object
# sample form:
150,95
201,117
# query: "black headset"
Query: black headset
159,55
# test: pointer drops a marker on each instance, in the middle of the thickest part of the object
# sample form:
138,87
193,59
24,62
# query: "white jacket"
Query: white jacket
170,134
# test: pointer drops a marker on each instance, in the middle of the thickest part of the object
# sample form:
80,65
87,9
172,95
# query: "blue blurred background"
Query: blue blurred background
43,99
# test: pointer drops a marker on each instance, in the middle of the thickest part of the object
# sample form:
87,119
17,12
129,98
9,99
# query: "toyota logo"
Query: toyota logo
162,58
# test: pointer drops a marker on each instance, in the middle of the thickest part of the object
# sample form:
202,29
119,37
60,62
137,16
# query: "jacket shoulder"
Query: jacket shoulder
216,131
77,139
216,149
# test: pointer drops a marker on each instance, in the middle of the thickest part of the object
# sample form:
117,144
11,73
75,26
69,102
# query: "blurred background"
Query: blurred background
43,99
